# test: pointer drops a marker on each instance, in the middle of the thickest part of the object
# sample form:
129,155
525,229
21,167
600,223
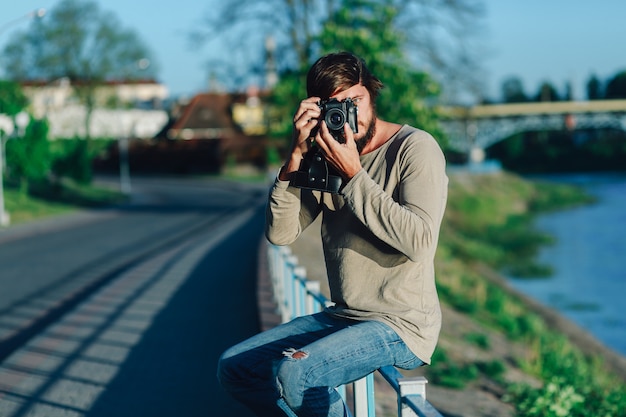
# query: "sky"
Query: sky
536,40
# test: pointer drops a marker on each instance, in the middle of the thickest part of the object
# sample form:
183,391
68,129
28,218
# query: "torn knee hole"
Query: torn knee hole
294,354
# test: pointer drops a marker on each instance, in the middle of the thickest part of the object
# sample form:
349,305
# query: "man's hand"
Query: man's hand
305,121
343,156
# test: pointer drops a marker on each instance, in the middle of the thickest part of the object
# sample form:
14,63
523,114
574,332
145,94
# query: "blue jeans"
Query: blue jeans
293,369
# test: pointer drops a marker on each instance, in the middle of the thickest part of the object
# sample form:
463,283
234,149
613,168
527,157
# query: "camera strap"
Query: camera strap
319,175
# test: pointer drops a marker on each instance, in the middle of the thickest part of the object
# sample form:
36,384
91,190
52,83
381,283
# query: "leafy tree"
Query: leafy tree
594,88
72,159
366,28
547,92
28,157
438,34
78,41
12,98
513,90
616,87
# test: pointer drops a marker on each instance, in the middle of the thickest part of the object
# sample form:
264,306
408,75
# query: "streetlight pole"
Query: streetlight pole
35,14
6,128
21,120
4,216
123,144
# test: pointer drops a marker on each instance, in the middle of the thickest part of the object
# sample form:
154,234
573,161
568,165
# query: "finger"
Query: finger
306,123
308,106
349,135
322,137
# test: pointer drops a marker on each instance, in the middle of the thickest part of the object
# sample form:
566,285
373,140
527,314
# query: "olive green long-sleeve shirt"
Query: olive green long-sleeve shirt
379,236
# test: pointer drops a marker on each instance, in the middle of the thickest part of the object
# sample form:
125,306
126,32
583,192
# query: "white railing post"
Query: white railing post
313,290
364,402
410,386
299,273
277,265
290,287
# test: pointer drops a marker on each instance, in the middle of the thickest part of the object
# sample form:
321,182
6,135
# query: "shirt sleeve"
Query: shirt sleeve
289,211
410,224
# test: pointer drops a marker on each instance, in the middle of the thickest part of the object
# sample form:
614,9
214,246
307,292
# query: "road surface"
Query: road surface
124,311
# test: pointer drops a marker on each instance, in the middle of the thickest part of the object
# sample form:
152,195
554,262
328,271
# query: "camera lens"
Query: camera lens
335,119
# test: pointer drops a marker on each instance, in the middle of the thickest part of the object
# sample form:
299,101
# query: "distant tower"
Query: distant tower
271,74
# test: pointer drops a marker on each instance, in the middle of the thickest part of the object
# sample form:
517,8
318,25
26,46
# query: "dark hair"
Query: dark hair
337,72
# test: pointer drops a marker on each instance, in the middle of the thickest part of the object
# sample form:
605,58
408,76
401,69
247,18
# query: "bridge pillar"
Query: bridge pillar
477,155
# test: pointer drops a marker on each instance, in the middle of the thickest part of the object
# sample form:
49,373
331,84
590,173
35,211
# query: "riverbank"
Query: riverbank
495,340
589,243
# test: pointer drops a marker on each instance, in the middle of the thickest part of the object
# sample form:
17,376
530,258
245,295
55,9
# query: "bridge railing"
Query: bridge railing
295,296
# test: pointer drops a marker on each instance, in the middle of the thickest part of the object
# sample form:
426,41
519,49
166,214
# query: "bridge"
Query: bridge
473,129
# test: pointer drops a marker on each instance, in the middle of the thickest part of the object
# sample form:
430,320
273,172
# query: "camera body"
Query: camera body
315,173
336,114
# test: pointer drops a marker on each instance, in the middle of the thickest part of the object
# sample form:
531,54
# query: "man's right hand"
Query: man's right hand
305,123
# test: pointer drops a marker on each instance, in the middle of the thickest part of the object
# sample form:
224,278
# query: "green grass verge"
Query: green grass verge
50,200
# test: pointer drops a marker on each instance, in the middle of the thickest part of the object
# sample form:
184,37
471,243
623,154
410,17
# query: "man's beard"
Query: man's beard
369,134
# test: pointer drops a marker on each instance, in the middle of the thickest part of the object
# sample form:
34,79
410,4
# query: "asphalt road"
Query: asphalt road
124,311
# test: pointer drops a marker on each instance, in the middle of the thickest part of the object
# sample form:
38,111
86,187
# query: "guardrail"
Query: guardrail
295,296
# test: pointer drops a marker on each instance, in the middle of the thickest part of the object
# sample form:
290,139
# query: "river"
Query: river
589,260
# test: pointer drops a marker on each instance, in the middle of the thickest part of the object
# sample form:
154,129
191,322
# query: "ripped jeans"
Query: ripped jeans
293,369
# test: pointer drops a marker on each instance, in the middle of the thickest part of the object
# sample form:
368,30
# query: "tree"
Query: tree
513,90
367,28
594,88
28,157
27,154
547,92
12,98
78,41
438,34
616,87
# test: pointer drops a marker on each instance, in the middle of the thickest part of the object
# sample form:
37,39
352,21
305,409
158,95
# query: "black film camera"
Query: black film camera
336,114
315,173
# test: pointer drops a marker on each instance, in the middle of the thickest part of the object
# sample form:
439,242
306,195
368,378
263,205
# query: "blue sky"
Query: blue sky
537,40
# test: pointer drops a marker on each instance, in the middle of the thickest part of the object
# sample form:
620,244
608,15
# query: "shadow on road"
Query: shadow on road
171,371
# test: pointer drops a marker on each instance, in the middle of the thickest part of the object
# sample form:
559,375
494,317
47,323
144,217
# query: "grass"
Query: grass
50,200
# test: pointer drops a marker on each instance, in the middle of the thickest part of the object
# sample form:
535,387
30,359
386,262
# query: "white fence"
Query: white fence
297,296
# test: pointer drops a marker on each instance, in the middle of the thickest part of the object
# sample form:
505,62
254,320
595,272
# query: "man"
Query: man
379,234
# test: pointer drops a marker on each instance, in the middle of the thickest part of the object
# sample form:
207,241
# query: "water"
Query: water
589,260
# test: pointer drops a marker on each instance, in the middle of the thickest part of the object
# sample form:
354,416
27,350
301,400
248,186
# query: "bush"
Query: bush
479,339
446,373
72,159
555,399
493,369
28,157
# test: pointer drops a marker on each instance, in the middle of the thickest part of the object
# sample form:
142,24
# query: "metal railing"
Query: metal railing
296,296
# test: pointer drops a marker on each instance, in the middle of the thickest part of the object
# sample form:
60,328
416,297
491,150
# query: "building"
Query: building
122,109
46,97
234,123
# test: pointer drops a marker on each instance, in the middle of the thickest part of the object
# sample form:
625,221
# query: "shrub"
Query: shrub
479,339
28,157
